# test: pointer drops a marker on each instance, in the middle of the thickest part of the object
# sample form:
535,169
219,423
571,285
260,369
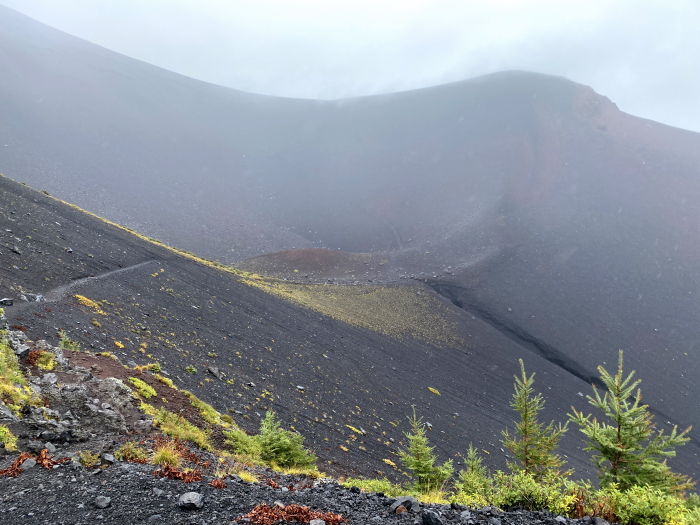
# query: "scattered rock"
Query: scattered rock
35,446
6,301
560,519
317,522
191,501
22,351
28,463
400,509
214,371
102,502
406,502
430,517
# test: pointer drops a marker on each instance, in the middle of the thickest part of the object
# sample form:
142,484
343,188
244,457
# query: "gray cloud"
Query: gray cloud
642,54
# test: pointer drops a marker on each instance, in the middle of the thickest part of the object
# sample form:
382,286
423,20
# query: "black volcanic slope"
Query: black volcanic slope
189,313
561,226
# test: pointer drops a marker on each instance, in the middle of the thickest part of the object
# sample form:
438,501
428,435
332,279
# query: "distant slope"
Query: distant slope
565,225
165,307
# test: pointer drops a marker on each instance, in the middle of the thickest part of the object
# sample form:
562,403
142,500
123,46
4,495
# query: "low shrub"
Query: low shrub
13,386
273,446
241,443
207,411
382,485
166,381
65,343
131,451
177,426
142,387
88,459
8,438
166,454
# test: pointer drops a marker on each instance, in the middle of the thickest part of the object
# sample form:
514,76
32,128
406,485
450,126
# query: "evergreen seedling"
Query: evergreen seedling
533,444
282,447
420,460
630,451
473,479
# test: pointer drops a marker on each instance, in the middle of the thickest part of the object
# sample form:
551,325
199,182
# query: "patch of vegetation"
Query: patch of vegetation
382,485
191,369
13,386
8,438
272,446
65,343
131,451
166,453
90,304
88,459
393,311
94,322
247,476
142,387
207,411
176,426
108,354
649,493
41,359
166,381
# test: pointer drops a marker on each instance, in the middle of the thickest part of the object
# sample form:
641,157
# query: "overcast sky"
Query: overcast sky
644,55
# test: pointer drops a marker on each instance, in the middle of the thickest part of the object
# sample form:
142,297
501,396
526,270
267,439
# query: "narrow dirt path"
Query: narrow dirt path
62,291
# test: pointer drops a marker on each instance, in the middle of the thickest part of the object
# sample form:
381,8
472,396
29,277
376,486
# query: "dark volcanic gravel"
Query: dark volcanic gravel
69,494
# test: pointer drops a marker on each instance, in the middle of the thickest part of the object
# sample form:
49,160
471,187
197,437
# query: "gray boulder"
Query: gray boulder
191,501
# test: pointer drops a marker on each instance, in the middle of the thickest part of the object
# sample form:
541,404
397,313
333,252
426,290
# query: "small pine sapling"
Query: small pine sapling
282,447
420,460
473,479
533,444
630,451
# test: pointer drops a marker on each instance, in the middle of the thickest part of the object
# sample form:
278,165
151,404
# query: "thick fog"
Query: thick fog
641,54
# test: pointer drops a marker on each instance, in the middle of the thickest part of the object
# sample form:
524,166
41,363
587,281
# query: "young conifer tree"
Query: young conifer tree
533,444
474,479
630,451
420,460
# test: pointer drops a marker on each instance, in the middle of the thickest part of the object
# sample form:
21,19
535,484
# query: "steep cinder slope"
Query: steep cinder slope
188,313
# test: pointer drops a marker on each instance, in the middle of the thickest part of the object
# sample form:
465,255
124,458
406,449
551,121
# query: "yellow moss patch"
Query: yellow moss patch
434,391
165,381
8,438
208,412
90,304
142,387
394,311
13,386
